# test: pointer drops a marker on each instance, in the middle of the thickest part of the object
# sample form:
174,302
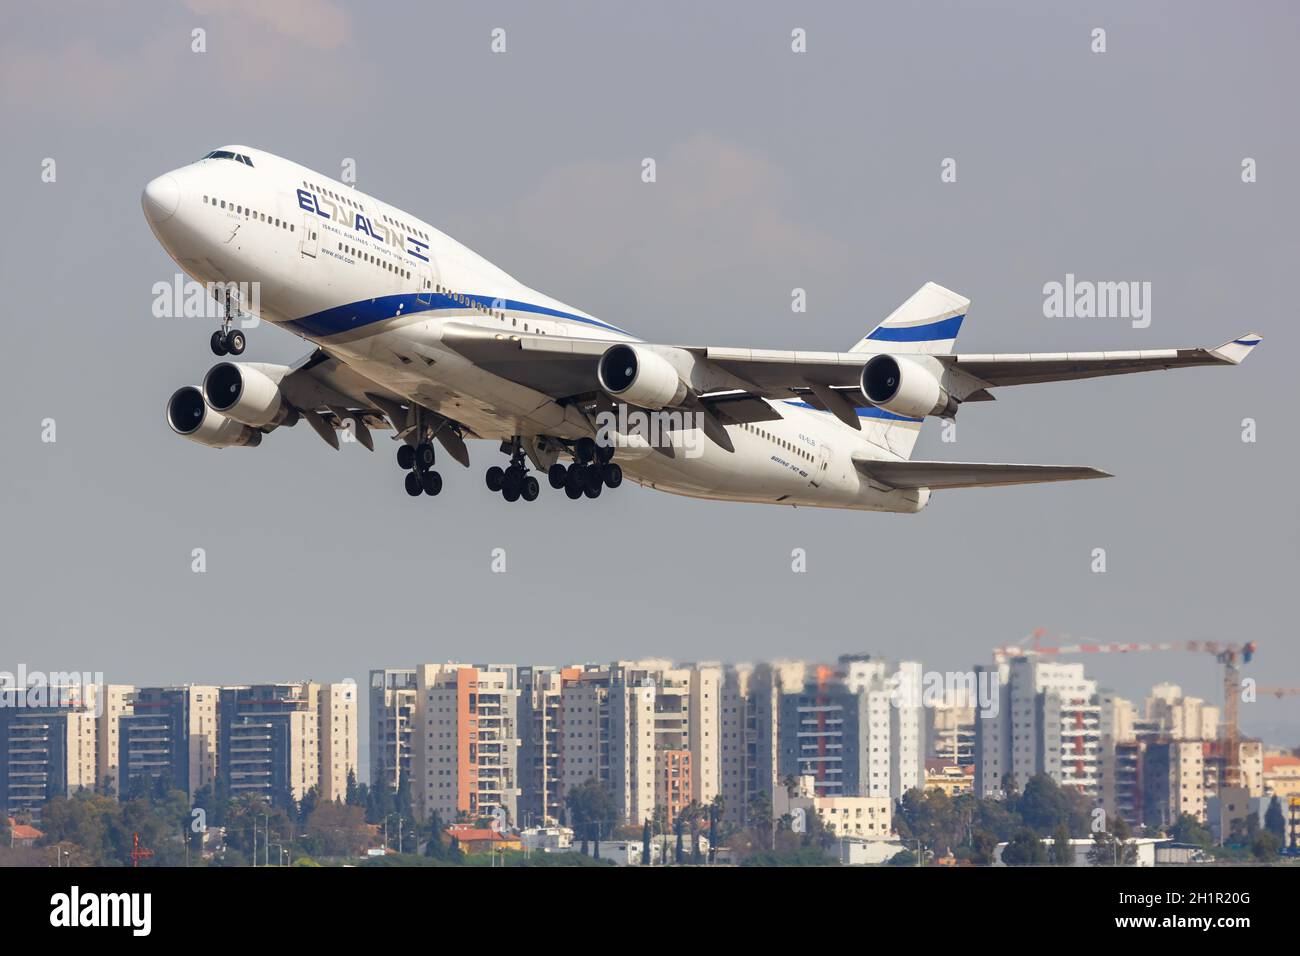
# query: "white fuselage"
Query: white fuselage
374,287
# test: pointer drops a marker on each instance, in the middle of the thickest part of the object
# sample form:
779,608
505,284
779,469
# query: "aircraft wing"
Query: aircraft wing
961,474
563,367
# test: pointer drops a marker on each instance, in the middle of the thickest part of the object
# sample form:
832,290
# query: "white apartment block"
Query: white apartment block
464,745
115,702
337,713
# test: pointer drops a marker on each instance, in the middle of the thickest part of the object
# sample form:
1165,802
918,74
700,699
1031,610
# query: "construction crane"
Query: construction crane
1231,656
1278,692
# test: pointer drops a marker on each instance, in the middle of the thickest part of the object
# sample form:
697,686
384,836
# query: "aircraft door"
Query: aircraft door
820,465
309,240
424,294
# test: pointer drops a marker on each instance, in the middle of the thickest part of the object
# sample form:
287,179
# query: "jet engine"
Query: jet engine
248,392
905,387
640,376
190,417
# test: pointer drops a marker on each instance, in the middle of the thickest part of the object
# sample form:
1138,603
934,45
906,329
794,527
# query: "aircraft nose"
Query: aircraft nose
160,199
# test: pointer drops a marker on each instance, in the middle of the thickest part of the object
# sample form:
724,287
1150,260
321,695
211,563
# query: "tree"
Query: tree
335,829
1112,847
1062,852
352,795
715,814
1274,821
592,812
1025,849
645,844
1187,829
1265,845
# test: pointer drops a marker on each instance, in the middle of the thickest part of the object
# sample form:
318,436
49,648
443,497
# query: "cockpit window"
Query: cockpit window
227,154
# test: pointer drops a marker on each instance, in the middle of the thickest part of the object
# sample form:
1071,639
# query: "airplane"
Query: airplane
414,333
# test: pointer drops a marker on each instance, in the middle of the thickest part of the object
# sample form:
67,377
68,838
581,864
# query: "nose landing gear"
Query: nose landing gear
227,340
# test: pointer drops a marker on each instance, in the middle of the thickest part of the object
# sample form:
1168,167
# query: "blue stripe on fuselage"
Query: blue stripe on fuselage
869,412
933,332
356,315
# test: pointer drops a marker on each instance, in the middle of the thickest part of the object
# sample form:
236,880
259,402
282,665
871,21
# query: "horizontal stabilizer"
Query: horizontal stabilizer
965,474
1236,350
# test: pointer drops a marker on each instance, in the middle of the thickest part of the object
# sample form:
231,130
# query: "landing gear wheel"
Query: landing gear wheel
414,486
235,342
406,458
218,342
424,457
556,475
592,481
531,489
585,449
604,453
593,490
573,491
496,477
576,478
612,474
431,482
513,484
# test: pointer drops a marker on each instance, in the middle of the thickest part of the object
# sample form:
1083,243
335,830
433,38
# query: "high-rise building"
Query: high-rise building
540,726
464,745
392,709
115,703
1178,717
749,719
857,730
170,733
1048,721
337,711
1173,781
273,740
608,735
47,745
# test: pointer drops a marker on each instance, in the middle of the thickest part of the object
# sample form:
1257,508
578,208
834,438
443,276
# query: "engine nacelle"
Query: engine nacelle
245,392
190,417
640,376
905,387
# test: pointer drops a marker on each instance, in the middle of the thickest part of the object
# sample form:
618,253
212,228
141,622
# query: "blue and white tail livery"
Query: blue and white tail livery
414,334
926,323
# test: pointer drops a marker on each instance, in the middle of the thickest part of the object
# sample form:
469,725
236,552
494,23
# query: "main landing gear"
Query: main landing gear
513,482
417,462
591,471
227,340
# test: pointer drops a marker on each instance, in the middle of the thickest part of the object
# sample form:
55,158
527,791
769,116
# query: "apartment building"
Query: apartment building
540,724
1048,721
749,718
47,745
391,717
274,739
859,818
114,703
857,729
337,711
167,733
464,745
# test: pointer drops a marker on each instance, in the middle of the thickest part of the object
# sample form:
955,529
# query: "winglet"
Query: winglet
1237,350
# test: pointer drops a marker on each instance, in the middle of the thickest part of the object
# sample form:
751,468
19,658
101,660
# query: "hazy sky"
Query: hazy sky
776,170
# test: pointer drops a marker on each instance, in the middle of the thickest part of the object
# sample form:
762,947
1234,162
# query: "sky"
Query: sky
776,170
